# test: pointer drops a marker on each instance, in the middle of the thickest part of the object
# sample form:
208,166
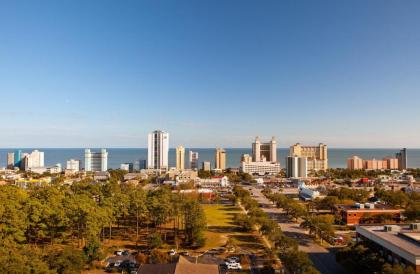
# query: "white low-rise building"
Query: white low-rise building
260,168
213,182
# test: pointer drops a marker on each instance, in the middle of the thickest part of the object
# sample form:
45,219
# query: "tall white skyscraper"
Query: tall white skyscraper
34,160
96,161
158,150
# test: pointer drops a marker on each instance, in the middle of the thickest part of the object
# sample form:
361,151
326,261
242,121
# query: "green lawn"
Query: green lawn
220,215
220,224
221,227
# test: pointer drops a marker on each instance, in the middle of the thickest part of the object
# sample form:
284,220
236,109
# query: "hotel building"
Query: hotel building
74,165
357,163
260,168
158,150
263,160
10,160
180,158
402,159
96,161
33,160
193,160
317,156
18,158
206,166
264,152
220,159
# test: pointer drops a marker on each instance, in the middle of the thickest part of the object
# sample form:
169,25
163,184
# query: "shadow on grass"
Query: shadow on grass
224,229
229,208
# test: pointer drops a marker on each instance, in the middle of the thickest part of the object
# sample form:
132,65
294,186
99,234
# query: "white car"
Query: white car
232,260
234,266
117,263
172,252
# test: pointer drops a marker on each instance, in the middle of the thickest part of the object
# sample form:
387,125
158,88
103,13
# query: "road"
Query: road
323,259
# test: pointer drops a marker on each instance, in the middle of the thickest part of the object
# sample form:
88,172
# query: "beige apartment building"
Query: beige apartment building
180,158
317,156
355,163
220,159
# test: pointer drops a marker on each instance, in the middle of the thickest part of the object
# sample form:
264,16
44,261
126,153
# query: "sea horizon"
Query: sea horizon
337,157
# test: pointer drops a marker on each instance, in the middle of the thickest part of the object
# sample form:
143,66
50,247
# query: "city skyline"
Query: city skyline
213,73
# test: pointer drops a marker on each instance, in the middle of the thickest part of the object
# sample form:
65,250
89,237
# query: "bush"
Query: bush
155,240
159,257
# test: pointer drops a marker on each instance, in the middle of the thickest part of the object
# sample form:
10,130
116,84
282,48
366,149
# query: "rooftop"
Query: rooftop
183,266
401,239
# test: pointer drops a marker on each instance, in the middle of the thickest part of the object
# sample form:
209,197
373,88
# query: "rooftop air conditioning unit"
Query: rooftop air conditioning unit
389,228
415,227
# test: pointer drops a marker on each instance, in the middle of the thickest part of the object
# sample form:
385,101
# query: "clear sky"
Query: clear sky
212,73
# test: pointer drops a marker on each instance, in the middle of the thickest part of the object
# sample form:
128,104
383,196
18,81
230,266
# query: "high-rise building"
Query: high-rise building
127,167
402,159
193,160
297,167
18,158
246,158
317,156
180,158
96,161
33,160
206,166
355,163
139,165
158,150
220,159
74,165
10,160
264,152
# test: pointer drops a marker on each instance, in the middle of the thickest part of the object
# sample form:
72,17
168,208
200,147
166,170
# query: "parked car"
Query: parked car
233,260
184,253
118,252
172,252
234,266
117,263
125,253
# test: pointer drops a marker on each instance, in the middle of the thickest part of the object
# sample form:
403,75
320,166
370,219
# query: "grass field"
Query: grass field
220,215
221,227
220,224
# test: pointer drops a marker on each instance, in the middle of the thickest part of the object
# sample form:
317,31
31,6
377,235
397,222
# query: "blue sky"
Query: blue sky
212,73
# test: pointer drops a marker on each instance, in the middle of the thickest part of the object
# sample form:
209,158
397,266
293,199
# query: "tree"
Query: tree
22,259
158,257
138,207
67,261
194,223
244,221
92,250
155,240
159,206
13,218
412,212
327,203
297,262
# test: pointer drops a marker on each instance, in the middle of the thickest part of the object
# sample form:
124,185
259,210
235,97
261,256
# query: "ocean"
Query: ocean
337,157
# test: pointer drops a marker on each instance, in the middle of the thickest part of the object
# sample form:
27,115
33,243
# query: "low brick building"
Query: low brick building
367,214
